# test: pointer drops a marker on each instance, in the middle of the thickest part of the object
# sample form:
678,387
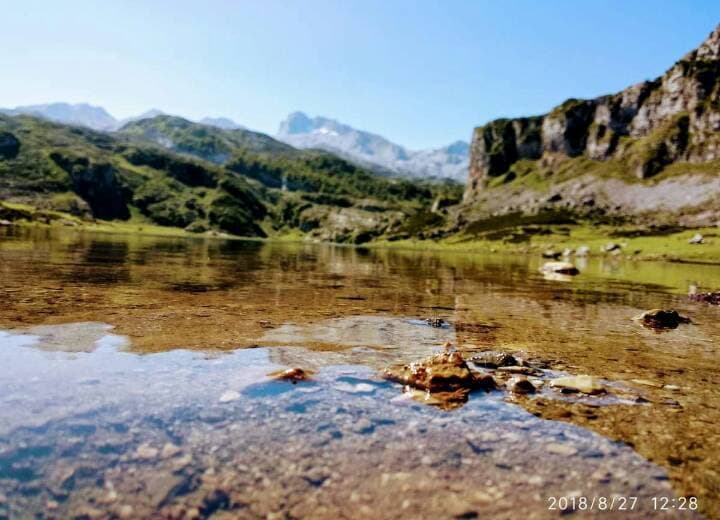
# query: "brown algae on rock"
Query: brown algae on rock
446,375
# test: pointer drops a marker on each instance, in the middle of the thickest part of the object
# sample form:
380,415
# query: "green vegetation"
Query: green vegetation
170,172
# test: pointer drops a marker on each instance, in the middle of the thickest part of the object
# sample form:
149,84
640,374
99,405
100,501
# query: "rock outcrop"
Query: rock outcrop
641,130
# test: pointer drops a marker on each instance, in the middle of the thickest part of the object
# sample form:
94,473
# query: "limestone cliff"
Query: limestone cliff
635,133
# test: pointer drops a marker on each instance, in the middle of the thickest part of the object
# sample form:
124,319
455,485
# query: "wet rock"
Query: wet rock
292,374
125,512
494,359
435,322
4,222
551,254
582,251
610,247
583,384
713,298
230,395
559,268
661,319
528,371
568,252
446,375
521,385
697,239
561,449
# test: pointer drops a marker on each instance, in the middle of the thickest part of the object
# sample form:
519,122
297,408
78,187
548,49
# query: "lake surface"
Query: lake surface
134,382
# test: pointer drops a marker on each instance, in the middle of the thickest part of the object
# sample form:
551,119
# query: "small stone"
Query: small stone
146,452
169,450
230,395
494,359
521,385
610,247
672,388
559,268
292,374
4,222
696,239
551,254
435,322
583,383
363,426
125,511
561,449
51,505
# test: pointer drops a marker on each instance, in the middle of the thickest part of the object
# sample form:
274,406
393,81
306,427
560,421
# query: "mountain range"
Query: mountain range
364,148
97,118
374,151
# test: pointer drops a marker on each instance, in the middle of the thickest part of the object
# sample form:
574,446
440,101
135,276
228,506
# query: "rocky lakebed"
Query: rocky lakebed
197,378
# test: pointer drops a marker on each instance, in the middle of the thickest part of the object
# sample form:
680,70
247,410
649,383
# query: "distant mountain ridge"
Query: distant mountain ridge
366,149
97,118
372,150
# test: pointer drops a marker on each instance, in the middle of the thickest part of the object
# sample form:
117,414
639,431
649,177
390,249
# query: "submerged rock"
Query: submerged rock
435,322
494,359
521,385
292,374
661,319
583,384
559,268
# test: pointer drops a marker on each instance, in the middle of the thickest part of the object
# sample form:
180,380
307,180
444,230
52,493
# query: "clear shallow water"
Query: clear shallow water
127,387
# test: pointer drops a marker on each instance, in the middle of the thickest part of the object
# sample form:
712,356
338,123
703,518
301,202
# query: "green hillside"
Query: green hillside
167,171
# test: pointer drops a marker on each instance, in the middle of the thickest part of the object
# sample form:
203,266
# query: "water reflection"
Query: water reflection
181,303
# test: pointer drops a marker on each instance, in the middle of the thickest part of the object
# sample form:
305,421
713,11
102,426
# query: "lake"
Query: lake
135,382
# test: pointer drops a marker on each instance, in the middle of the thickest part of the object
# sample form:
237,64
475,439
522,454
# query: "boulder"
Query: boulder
661,319
559,268
521,385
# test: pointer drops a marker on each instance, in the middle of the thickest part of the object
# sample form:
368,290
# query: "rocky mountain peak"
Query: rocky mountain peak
710,48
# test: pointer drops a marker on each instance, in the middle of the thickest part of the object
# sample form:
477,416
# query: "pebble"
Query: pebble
584,384
520,385
230,395
697,239
561,449
125,511
169,450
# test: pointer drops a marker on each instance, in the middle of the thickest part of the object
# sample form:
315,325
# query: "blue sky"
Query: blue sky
422,73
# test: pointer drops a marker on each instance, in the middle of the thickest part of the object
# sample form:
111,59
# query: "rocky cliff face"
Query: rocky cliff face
640,131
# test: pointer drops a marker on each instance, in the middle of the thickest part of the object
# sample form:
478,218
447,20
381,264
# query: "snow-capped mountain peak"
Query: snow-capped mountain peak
373,150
